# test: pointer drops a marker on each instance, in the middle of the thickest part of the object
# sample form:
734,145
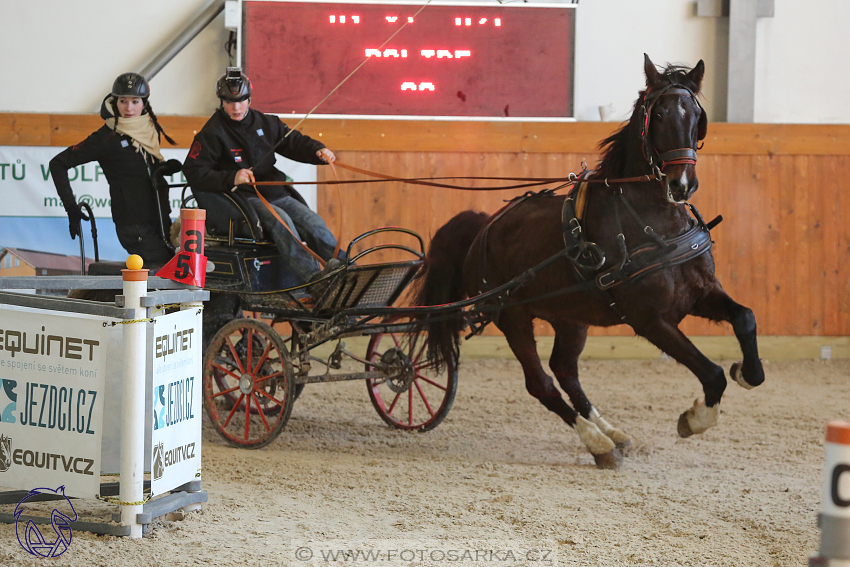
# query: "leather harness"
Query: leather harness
587,258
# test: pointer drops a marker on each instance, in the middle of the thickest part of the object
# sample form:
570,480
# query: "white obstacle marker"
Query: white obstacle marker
834,520
71,412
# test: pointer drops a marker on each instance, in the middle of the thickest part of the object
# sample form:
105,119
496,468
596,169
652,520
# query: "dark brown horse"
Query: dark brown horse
641,249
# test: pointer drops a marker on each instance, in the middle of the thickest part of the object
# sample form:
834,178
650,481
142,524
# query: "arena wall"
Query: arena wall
783,248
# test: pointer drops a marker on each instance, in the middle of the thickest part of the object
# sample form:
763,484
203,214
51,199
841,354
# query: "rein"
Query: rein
430,181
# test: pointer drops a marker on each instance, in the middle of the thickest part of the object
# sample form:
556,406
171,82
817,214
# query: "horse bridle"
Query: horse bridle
658,161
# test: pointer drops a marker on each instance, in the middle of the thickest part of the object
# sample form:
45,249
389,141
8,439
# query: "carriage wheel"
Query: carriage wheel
248,391
414,395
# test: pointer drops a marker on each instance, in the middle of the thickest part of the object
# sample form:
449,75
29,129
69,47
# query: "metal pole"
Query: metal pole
172,49
131,492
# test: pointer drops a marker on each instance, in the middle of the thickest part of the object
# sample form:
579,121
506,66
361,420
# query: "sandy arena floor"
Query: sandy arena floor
504,482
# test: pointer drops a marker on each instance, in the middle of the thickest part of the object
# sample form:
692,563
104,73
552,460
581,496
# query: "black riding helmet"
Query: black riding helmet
130,84
233,86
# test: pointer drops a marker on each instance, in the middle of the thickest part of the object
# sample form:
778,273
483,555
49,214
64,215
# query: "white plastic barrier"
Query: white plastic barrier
834,520
91,330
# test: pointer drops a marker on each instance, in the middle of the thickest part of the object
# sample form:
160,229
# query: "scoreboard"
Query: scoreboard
444,60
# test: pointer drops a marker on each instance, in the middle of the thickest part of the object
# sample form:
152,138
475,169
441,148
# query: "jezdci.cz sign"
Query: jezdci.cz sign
52,368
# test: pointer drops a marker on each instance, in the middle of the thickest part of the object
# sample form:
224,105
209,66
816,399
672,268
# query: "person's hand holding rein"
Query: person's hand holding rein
326,155
243,176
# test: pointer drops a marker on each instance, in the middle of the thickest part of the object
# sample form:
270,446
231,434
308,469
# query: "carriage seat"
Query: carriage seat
224,208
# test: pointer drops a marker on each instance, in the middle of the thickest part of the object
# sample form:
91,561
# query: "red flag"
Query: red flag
186,267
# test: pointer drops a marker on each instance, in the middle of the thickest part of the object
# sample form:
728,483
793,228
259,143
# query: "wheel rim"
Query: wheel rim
414,395
247,391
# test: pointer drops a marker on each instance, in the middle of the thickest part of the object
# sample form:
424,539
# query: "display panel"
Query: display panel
449,60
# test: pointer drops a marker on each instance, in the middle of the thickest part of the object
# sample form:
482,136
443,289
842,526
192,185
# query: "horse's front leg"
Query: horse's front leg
706,411
570,339
718,306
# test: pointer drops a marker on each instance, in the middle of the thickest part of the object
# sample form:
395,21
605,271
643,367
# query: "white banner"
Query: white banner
53,370
175,360
26,185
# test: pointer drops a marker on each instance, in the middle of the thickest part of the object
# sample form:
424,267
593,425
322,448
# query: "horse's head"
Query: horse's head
672,123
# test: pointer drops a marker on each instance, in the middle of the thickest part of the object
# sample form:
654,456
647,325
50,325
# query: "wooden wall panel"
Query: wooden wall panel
783,248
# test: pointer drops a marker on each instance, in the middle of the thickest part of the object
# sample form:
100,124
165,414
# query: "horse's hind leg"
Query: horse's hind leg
671,340
718,306
569,343
518,328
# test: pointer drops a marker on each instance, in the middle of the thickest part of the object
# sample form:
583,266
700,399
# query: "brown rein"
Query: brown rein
429,181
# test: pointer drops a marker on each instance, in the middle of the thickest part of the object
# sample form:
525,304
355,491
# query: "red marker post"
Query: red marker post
189,265
834,520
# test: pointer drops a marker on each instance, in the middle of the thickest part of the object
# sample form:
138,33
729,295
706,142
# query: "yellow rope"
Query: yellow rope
131,321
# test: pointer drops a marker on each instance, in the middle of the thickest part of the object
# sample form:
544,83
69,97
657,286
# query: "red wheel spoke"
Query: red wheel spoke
269,396
250,350
225,392
248,415
395,340
392,405
233,410
410,406
235,356
262,415
419,354
423,378
225,370
424,399
264,378
262,359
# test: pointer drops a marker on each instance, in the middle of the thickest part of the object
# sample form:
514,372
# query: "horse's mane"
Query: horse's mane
615,147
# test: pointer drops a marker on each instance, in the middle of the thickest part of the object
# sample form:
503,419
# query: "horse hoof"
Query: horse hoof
738,376
683,427
609,461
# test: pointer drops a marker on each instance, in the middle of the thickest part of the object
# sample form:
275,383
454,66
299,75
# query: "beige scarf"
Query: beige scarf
140,129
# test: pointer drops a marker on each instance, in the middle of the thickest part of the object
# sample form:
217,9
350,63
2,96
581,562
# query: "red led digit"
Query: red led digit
392,19
333,19
422,86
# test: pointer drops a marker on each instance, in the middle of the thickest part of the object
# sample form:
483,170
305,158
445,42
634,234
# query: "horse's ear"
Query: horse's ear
696,74
702,125
651,72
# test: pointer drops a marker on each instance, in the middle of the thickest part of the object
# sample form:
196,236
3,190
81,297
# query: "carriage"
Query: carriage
254,370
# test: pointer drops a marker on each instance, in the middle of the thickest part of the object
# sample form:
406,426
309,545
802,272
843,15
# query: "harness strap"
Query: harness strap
644,260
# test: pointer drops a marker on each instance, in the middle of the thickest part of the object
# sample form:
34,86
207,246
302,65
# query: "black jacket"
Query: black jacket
127,171
224,146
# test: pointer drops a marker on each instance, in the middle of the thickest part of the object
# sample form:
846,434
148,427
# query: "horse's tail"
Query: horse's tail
442,283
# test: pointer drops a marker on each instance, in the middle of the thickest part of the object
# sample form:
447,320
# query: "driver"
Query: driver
237,146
